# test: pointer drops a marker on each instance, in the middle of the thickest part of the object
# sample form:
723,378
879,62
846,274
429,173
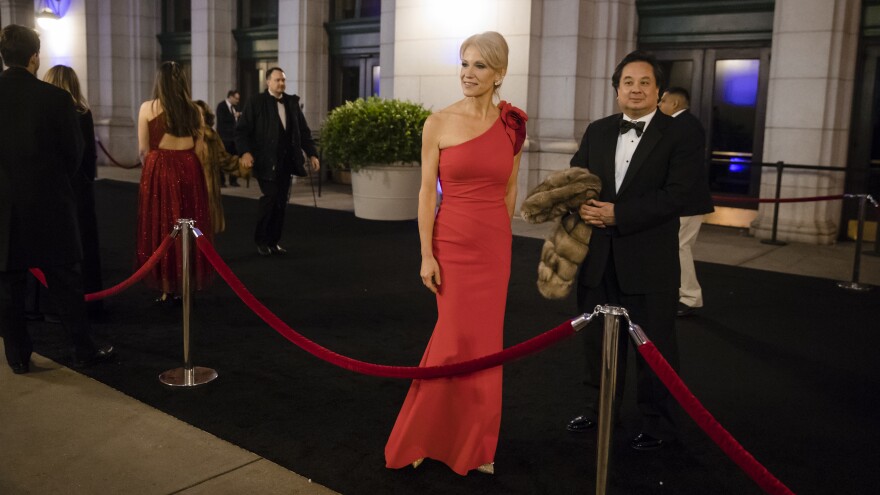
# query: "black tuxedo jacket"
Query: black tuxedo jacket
700,200
660,176
257,132
41,149
225,122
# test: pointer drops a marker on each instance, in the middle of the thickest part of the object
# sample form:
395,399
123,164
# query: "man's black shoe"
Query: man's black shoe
101,355
277,249
263,250
645,442
580,423
20,368
684,310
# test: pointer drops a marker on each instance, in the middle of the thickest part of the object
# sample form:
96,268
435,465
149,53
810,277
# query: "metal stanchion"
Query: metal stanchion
610,340
189,375
854,285
772,240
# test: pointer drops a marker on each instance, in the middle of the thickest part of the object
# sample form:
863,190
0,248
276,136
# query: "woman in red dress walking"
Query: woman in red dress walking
172,183
473,147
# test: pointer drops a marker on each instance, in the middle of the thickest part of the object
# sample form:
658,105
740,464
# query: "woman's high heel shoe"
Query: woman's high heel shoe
488,468
418,462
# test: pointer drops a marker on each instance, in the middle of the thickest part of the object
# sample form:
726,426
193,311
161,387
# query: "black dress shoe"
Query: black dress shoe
645,442
263,250
277,249
101,355
684,310
580,423
20,368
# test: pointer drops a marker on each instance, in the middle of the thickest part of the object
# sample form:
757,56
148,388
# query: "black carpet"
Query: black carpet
785,363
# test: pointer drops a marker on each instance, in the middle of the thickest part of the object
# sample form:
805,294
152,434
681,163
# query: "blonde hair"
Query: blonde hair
65,78
493,47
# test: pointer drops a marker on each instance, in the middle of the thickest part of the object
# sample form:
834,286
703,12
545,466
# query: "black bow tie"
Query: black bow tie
280,99
626,125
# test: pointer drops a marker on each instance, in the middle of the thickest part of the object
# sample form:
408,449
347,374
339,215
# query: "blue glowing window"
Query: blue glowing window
736,82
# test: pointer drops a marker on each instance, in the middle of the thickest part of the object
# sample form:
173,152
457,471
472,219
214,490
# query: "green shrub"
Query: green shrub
373,131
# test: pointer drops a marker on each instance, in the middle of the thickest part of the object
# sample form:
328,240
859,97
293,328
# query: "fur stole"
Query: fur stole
560,196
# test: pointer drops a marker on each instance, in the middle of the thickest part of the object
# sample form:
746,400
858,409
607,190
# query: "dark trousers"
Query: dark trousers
655,313
65,292
88,230
272,206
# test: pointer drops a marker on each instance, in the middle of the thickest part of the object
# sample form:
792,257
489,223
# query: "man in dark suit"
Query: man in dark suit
227,114
647,162
271,136
40,150
675,102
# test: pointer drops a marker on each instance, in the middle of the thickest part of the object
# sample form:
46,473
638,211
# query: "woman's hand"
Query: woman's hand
430,274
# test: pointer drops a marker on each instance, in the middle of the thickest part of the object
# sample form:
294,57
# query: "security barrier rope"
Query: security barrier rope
113,160
735,199
125,284
522,349
704,419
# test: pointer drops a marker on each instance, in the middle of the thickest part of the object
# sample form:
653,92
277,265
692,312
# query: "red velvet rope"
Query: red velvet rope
735,199
101,145
522,349
125,284
708,423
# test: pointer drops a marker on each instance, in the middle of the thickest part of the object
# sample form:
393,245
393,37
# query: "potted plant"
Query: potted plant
379,140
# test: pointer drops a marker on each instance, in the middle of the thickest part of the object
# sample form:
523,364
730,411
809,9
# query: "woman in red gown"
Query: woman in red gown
473,147
172,184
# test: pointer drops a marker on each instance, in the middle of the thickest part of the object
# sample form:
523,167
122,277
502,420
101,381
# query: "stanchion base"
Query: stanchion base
774,243
182,377
854,286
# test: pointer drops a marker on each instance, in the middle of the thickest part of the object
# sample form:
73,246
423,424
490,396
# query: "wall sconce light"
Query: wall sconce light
50,11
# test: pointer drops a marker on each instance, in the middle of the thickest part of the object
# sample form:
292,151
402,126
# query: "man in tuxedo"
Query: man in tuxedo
675,103
40,150
271,136
647,162
227,114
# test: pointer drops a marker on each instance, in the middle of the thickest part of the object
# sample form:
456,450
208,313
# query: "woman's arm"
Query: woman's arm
143,131
430,270
510,193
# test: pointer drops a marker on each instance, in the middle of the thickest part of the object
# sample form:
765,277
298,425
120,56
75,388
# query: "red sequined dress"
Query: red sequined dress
457,420
172,186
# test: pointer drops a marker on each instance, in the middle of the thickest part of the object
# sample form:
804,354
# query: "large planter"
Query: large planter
386,192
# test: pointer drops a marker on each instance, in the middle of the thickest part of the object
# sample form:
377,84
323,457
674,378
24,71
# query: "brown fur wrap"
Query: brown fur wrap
560,196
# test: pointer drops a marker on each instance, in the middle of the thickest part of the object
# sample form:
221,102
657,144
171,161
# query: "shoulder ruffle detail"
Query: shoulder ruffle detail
514,121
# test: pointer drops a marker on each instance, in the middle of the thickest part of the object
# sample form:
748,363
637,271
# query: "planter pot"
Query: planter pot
386,192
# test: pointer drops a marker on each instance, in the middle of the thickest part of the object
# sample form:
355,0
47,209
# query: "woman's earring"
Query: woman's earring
498,82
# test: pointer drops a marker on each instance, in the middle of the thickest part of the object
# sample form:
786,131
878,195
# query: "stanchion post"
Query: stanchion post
854,285
772,240
608,388
189,375
876,250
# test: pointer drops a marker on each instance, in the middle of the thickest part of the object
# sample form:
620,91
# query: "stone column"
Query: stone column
576,46
809,105
302,53
213,50
122,60
386,49
19,12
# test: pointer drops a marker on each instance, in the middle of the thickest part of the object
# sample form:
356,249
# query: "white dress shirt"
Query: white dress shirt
626,146
282,112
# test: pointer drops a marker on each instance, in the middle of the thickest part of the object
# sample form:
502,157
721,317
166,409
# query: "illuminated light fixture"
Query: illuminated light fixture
48,12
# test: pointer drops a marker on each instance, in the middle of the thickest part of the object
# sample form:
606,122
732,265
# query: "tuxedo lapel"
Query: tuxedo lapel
608,143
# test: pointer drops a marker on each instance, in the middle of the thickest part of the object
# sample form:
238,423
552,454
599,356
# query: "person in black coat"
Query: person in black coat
40,152
83,183
675,102
227,114
271,136
647,162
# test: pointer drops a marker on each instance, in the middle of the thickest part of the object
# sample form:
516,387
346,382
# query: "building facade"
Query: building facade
789,81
